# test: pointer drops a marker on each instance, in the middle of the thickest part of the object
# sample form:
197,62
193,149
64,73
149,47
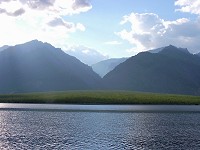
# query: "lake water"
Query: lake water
24,127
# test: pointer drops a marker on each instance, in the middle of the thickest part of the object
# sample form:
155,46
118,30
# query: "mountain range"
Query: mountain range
171,70
105,66
86,55
3,47
37,67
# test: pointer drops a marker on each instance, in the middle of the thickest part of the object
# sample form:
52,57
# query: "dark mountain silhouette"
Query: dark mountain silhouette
105,66
198,54
172,70
157,50
37,66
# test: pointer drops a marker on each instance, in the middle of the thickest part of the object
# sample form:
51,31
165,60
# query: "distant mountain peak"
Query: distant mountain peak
105,66
168,48
35,41
4,47
184,50
34,45
157,50
171,70
86,55
174,48
37,66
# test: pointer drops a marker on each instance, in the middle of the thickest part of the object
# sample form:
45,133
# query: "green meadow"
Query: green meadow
100,97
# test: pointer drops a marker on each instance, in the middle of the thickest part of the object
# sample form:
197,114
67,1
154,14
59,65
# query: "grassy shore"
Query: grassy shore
100,97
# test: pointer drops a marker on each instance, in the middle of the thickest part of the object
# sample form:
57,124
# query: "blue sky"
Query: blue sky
114,28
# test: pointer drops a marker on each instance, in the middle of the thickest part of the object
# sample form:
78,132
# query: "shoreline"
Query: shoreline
101,108
100,98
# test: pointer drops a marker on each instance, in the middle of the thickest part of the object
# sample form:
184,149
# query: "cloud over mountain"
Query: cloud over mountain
40,19
148,31
86,55
70,22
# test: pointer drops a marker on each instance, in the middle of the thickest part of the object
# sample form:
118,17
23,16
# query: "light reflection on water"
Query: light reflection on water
93,130
97,108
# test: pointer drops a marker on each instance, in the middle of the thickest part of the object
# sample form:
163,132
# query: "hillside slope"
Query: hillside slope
171,70
37,66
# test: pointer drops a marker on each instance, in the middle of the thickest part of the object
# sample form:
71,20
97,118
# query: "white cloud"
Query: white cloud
191,6
62,7
38,4
70,7
149,31
113,43
17,12
80,27
81,5
24,20
59,22
13,8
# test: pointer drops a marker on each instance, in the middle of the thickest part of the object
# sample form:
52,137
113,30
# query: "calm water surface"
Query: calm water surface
98,130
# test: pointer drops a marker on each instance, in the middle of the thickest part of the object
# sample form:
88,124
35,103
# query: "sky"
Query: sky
111,28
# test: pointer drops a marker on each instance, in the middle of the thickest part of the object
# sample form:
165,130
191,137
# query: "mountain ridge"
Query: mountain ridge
105,66
158,72
37,66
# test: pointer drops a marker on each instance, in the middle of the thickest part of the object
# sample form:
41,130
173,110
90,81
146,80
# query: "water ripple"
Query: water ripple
90,130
